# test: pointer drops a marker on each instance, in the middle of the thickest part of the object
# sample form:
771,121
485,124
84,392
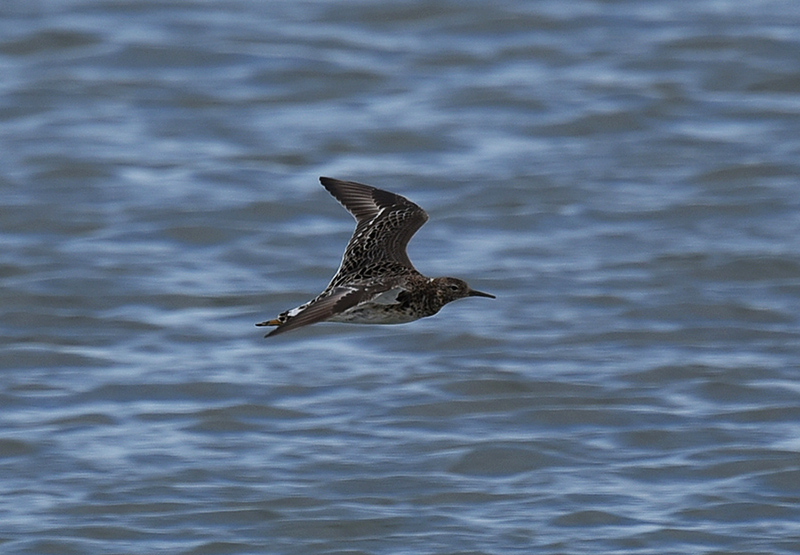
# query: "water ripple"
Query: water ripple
621,175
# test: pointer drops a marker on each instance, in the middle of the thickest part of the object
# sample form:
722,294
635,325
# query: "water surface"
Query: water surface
622,175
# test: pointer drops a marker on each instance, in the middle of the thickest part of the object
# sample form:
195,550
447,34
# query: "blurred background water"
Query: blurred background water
623,175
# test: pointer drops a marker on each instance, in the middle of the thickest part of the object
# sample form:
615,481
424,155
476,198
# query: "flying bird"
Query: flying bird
376,282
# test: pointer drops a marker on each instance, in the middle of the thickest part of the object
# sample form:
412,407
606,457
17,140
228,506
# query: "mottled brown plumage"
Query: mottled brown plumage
376,282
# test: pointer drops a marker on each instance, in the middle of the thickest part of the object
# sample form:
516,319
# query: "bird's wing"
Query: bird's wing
385,224
339,299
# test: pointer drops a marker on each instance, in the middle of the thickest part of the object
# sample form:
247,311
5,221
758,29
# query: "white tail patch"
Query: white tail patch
295,311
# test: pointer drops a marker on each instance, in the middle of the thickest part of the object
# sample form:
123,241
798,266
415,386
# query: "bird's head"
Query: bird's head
449,289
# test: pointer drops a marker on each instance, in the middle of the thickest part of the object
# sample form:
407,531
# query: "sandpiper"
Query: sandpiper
376,282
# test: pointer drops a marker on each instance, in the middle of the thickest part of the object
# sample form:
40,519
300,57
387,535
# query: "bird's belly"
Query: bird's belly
371,313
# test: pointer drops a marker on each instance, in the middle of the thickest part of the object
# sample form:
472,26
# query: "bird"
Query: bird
376,283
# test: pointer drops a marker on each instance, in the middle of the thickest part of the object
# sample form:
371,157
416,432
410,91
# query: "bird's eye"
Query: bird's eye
453,288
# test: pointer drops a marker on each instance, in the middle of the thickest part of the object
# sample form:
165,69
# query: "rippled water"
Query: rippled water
622,175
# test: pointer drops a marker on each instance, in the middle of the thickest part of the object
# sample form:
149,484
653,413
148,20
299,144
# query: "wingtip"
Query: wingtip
330,183
274,332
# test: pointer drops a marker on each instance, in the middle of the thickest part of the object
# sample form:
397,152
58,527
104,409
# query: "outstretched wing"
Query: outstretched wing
340,299
385,224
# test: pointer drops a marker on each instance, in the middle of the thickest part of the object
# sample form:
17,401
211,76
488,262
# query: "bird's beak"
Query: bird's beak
473,293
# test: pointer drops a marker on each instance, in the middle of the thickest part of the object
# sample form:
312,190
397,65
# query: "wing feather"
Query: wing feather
340,299
385,224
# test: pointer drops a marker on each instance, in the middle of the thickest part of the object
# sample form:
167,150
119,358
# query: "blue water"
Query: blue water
622,175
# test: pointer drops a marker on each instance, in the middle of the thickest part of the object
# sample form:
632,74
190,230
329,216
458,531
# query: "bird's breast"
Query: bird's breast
376,313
